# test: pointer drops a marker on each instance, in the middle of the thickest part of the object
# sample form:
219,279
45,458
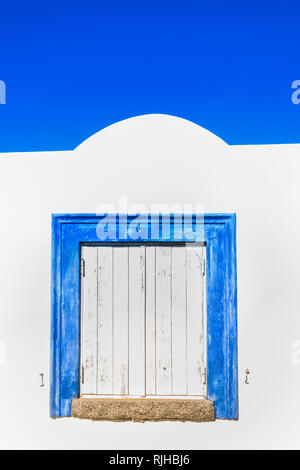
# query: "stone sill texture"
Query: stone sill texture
143,409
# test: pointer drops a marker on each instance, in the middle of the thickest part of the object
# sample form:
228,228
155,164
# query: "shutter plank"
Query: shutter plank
150,321
163,321
137,320
89,322
105,320
179,332
204,326
195,332
121,320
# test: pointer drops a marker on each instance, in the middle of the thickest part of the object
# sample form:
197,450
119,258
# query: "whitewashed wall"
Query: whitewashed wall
155,159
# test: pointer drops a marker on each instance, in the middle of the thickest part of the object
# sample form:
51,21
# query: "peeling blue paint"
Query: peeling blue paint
70,230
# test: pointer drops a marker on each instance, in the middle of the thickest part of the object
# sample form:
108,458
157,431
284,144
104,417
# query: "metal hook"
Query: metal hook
42,379
247,372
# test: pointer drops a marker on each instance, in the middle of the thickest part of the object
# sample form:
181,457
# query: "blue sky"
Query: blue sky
73,68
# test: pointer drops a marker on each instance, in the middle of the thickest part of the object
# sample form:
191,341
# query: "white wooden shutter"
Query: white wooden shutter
143,327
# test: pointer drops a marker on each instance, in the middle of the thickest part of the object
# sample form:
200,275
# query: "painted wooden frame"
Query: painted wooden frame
69,231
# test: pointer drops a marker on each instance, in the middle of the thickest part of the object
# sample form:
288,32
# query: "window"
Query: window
74,234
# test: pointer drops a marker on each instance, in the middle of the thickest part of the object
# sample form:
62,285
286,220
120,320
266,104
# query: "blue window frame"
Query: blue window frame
69,231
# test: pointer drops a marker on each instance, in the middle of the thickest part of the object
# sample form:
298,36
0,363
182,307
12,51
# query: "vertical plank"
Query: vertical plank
150,321
179,332
89,322
195,333
120,320
105,320
204,322
163,321
137,320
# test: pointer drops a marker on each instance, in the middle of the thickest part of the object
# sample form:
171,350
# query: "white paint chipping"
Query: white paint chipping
150,321
120,323
136,316
89,323
105,314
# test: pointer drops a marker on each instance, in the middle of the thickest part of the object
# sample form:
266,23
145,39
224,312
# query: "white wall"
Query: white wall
155,159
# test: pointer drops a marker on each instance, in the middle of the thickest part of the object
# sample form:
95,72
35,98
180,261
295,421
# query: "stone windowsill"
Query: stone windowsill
143,409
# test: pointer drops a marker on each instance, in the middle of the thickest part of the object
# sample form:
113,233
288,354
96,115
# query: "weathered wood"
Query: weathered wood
195,333
149,334
88,372
105,320
163,321
150,321
204,324
120,325
137,320
179,332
